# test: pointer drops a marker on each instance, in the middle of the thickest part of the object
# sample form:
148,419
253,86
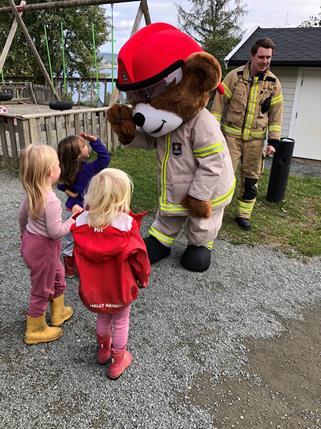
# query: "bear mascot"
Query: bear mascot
167,77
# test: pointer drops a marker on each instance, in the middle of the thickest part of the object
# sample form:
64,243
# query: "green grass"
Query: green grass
294,225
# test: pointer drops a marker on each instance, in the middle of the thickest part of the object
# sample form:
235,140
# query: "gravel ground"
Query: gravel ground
189,331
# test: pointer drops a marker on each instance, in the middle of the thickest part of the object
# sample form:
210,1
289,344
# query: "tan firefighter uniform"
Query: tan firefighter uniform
250,110
192,160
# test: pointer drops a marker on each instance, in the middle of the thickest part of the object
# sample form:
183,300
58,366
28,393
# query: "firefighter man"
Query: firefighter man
250,110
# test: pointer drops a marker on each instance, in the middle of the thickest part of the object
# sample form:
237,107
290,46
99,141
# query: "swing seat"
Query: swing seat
5,96
60,105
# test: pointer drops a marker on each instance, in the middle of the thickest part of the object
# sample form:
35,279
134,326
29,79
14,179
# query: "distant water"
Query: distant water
101,88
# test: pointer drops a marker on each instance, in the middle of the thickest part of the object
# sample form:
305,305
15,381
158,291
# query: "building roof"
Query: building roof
299,46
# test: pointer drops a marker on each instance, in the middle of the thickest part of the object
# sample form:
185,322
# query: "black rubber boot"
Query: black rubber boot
156,250
196,258
243,223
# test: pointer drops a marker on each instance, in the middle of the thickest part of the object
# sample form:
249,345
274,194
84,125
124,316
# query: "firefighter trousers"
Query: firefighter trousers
249,154
199,231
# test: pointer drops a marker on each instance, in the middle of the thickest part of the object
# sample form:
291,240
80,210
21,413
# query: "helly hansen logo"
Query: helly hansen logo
177,149
105,305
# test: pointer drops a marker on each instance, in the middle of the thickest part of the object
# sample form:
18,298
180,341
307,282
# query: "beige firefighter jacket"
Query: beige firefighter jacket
251,107
192,160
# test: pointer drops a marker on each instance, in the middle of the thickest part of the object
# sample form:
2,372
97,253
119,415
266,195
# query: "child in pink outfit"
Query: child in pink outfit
41,229
112,262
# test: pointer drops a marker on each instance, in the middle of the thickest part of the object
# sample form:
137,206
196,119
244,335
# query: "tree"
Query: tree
78,42
312,21
214,24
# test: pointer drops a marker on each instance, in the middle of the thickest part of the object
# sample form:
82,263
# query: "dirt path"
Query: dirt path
285,394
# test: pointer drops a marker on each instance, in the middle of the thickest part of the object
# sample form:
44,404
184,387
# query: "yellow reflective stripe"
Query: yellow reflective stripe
227,91
160,236
276,100
210,245
245,208
164,168
237,132
258,134
275,128
223,198
246,205
209,150
174,208
251,109
218,116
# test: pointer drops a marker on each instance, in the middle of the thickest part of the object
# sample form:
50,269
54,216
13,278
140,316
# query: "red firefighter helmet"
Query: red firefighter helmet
151,54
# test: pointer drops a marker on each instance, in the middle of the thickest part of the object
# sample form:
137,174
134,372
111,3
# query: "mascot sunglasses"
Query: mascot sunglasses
144,95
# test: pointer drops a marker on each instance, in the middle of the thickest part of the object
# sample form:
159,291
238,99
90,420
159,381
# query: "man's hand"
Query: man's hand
270,150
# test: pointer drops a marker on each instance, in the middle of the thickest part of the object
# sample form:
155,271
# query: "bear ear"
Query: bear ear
205,68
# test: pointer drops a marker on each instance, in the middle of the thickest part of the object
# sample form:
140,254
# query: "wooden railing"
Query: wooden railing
16,131
27,92
83,91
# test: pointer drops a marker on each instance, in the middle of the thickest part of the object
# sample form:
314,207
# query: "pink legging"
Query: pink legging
116,324
47,274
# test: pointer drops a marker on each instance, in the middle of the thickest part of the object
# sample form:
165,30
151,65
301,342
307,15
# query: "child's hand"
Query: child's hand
71,194
76,209
88,137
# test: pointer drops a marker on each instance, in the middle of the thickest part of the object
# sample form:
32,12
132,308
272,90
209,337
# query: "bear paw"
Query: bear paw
196,258
120,118
197,208
156,250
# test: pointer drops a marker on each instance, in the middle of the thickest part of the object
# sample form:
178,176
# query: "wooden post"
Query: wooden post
64,4
79,91
145,10
138,18
4,143
105,92
32,46
9,40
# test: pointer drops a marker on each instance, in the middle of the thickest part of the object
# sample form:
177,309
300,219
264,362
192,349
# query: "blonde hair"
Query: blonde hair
109,193
35,165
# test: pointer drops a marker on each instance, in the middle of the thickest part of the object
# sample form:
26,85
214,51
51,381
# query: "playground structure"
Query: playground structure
33,127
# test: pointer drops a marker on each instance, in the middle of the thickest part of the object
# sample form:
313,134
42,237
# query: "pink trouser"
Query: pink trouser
47,274
116,324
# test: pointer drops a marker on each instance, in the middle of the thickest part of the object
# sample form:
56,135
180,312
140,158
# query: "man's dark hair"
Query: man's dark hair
262,43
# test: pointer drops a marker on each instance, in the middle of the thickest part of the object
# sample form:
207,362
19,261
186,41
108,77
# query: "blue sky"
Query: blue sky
274,13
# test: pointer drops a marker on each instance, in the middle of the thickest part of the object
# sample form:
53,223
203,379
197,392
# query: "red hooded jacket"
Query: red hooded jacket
112,262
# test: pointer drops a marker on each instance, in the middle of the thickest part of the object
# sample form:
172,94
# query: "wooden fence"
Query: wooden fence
16,131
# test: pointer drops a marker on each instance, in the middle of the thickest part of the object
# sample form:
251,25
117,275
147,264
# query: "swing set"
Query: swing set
18,10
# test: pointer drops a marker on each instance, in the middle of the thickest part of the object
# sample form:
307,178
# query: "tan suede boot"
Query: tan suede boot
59,313
37,331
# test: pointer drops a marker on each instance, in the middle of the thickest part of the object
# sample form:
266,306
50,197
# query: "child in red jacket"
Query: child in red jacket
112,262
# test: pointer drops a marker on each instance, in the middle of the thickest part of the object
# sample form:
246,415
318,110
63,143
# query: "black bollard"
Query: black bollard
280,170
